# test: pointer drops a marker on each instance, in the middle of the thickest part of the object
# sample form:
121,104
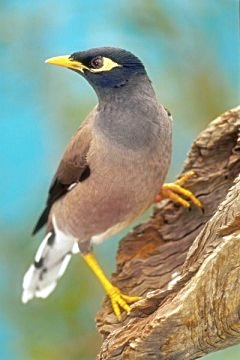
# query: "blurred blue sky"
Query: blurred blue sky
192,39
34,31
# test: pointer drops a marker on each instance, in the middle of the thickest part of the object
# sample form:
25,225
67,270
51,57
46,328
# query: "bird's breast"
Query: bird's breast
123,183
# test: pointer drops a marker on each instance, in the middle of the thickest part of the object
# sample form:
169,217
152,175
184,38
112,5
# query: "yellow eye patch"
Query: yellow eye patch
107,65
103,64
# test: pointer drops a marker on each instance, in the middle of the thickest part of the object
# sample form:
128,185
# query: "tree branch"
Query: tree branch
185,262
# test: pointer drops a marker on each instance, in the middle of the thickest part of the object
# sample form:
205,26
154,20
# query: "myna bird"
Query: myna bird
110,173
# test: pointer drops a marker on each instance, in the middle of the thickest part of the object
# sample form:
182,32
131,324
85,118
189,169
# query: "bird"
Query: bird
110,173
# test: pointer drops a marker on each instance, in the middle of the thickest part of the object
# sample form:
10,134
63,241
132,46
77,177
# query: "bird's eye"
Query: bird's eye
97,62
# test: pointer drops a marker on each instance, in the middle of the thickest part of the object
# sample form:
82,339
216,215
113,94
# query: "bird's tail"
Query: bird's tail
50,263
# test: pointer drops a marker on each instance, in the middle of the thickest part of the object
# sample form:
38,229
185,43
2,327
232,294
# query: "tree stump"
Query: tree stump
184,262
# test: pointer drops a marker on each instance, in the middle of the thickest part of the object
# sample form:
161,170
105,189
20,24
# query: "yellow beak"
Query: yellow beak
67,62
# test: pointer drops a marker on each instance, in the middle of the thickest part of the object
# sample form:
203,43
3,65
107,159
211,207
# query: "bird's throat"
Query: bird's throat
131,119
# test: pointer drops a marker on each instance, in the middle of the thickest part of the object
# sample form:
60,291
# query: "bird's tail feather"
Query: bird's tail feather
51,261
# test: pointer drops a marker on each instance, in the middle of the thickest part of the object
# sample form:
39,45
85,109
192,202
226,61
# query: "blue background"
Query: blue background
190,52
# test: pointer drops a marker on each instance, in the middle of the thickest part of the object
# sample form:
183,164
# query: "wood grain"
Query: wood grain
185,262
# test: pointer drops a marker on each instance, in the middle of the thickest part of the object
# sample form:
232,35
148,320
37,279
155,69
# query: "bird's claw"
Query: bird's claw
177,193
120,300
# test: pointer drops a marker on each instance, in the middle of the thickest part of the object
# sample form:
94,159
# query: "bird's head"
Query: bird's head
104,67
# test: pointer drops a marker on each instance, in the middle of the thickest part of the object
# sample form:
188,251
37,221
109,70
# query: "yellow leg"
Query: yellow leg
118,299
175,191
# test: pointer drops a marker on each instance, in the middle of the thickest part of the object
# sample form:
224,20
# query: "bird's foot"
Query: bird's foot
177,193
120,300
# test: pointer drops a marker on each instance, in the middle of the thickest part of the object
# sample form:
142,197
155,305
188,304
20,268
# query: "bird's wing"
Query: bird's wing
73,168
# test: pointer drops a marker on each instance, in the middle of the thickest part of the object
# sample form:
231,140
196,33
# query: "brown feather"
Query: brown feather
72,169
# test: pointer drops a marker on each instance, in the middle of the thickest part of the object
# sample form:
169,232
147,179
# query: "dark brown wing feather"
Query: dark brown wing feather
72,169
57,190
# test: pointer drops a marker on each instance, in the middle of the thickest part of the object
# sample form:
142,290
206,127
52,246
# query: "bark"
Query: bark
185,262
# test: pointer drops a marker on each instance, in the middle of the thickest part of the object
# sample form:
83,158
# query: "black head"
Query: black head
105,67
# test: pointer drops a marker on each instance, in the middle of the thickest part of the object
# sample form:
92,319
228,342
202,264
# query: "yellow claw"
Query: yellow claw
175,191
118,299
185,177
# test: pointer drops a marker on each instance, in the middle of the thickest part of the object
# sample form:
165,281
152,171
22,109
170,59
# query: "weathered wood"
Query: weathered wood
185,262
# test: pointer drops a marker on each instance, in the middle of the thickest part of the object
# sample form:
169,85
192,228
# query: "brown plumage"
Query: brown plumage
111,170
122,184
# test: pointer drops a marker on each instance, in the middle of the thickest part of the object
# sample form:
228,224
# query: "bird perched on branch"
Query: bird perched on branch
110,173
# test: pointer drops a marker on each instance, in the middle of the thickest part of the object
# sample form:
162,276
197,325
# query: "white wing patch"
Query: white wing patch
42,247
51,261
